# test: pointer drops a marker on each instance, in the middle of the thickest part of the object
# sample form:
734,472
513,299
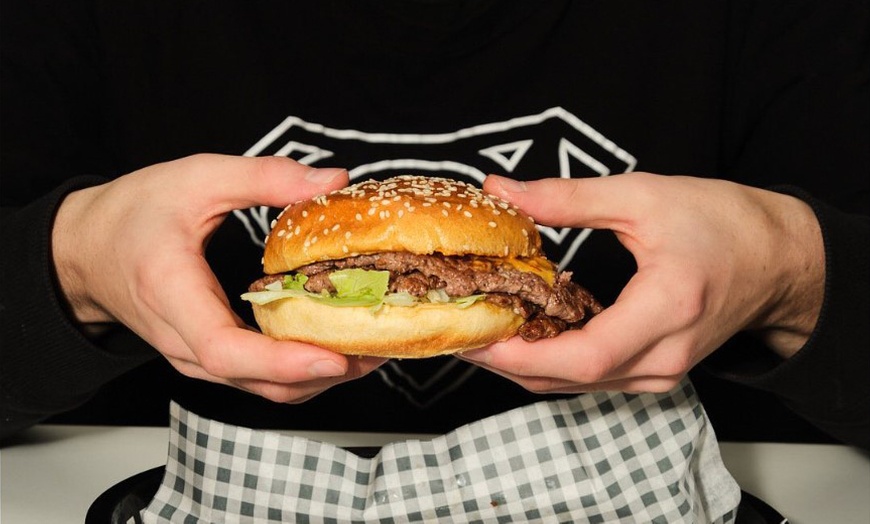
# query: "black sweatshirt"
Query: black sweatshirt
769,94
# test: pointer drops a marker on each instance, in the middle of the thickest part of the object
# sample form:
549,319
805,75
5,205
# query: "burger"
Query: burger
411,267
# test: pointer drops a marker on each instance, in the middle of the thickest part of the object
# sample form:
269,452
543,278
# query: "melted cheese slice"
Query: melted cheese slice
537,265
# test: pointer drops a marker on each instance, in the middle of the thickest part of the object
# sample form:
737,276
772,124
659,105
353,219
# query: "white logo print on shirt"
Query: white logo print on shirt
551,143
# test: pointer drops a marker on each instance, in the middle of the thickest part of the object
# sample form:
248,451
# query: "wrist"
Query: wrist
69,252
787,324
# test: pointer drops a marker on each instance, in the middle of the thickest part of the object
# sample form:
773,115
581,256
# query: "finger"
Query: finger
302,392
636,322
274,391
190,300
279,392
600,203
235,182
547,385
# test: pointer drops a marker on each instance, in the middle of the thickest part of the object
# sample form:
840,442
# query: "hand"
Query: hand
132,251
713,258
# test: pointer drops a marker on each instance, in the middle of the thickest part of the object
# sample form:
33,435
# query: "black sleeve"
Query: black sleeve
49,134
800,114
47,365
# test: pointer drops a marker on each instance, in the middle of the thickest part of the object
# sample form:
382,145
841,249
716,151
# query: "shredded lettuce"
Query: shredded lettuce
360,283
353,288
438,296
401,299
464,302
295,282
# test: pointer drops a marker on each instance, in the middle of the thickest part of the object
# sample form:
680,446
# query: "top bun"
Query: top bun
416,214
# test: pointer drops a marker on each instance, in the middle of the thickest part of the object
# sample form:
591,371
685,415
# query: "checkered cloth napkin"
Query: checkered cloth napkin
599,457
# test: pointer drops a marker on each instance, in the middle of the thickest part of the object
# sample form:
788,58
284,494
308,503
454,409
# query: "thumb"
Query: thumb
598,203
237,182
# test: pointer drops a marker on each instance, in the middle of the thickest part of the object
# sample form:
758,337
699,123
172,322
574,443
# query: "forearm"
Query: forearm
47,364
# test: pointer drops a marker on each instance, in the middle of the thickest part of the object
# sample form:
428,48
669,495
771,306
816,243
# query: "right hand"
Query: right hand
132,251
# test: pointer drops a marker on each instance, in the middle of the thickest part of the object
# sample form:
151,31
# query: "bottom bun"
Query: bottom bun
421,331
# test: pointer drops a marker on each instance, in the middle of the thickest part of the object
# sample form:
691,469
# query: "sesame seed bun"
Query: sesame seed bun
420,215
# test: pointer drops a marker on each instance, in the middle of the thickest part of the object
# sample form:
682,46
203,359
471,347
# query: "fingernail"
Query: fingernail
326,368
510,185
324,175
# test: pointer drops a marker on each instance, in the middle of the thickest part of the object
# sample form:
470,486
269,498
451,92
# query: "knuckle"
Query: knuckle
664,385
595,370
211,362
269,166
279,395
301,399
200,157
538,385
689,305
679,360
690,308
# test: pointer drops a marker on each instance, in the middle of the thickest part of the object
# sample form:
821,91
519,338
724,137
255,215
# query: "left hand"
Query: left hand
713,258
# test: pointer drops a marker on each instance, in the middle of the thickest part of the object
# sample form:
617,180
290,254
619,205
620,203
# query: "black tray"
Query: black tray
123,502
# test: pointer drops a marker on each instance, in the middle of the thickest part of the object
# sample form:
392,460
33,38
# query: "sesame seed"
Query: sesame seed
345,249
326,231
347,234
400,213
304,213
336,227
444,212
358,216
281,233
467,213
321,218
493,224
272,225
296,231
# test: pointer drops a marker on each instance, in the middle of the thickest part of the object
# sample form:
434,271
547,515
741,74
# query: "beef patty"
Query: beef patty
548,310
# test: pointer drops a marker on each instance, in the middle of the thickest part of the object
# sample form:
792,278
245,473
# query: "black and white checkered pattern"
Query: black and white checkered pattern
603,457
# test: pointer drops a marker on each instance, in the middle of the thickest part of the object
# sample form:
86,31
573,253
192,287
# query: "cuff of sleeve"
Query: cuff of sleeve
48,365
